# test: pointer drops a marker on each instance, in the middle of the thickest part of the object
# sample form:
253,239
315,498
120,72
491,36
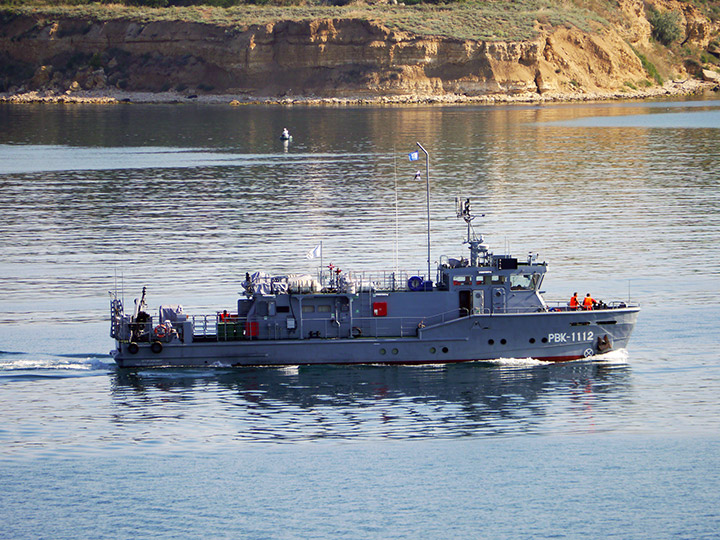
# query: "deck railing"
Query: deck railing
381,281
211,328
563,306
144,332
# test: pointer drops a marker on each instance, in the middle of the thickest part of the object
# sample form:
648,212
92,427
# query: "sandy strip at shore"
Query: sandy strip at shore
113,96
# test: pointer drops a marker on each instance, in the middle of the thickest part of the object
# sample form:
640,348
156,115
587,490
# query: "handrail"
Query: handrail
558,305
236,328
382,281
371,280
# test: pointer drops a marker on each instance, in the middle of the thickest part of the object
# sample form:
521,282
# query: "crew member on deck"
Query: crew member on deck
588,302
574,303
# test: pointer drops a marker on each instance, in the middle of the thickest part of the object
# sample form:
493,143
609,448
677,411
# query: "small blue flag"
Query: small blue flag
414,156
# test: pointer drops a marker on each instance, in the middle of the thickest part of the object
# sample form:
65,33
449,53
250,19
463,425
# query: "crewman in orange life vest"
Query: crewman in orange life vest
588,302
574,302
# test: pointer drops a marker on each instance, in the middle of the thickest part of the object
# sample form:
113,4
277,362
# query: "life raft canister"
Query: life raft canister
415,283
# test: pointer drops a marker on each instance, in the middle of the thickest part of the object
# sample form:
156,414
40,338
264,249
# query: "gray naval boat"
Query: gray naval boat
481,307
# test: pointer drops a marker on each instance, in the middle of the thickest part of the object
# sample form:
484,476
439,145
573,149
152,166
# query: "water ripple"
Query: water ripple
617,201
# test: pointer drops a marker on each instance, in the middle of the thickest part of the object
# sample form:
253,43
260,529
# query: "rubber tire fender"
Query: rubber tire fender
156,347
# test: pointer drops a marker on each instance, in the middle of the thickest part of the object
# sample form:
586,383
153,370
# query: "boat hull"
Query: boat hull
549,336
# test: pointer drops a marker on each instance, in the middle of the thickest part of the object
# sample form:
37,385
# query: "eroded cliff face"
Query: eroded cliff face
331,57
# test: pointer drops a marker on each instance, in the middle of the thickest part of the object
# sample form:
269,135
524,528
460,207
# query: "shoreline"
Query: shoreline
683,87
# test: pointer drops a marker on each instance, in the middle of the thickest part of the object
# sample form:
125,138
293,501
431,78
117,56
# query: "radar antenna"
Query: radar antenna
462,209
478,250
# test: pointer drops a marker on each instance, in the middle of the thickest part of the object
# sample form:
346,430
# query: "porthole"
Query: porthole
491,342
433,350
544,340
444,349
503,341
394,351
532,340
382,351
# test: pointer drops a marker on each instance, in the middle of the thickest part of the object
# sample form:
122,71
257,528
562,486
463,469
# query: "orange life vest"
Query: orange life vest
574,302
588,302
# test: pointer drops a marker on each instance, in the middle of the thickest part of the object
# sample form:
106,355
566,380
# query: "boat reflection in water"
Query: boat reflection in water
371,401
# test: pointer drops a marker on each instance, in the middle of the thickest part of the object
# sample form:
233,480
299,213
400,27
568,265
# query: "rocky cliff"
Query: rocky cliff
329,57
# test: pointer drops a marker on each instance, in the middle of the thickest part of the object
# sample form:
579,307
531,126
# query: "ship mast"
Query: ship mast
477,248
427,191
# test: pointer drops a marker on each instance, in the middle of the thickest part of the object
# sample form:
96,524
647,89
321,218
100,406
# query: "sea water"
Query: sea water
621,199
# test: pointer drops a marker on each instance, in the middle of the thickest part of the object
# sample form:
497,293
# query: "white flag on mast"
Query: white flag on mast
315,252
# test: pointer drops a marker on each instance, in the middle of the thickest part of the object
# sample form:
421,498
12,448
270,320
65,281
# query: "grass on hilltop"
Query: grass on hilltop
497,20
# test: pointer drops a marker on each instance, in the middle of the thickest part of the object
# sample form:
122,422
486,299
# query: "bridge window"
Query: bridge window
524,282
521,282
462,280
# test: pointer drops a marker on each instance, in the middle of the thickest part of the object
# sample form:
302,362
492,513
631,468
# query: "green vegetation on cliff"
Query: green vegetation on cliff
584,45
493,20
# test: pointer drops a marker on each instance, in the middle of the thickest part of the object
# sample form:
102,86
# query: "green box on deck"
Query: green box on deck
229,331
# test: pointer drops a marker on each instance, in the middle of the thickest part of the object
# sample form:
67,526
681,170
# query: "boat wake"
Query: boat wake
14,361
516,362
619,356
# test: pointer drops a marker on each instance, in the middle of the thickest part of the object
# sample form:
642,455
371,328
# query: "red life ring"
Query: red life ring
160,331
